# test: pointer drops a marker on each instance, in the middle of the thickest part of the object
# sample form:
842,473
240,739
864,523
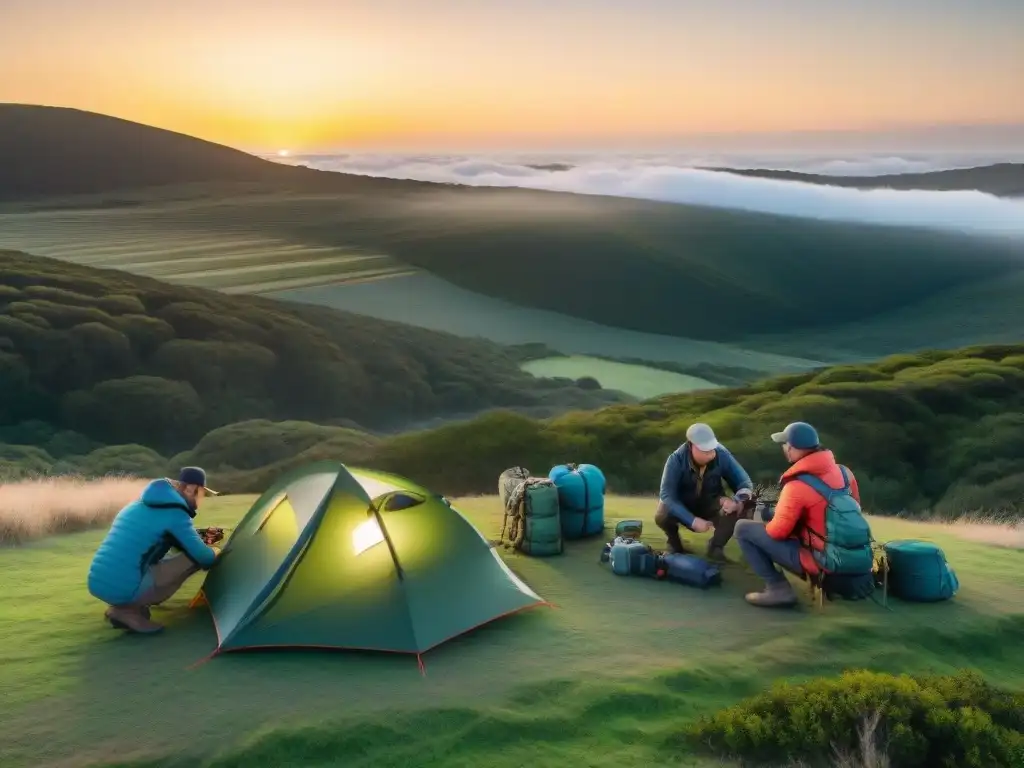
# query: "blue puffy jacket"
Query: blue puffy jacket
140,536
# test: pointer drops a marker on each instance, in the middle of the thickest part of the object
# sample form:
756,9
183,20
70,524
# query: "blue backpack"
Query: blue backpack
918,572
629,557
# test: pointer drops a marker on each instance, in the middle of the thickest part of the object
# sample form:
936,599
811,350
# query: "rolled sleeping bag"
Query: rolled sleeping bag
581,490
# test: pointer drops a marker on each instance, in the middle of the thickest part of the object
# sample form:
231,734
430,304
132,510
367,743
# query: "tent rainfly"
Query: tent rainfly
333,557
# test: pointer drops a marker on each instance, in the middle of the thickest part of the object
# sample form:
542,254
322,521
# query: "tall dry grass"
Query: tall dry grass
1002,530
1010,535
31,509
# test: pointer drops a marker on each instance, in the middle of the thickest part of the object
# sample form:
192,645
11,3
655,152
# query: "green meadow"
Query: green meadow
608,677
637,380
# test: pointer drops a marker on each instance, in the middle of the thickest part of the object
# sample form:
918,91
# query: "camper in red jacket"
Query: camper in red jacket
785,540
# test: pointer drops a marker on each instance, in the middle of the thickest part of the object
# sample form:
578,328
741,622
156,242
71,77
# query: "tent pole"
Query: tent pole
387,539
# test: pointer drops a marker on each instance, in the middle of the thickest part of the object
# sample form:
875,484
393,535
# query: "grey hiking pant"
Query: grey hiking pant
164,579
763,552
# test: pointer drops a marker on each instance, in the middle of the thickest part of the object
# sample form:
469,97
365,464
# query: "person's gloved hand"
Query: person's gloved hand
216,551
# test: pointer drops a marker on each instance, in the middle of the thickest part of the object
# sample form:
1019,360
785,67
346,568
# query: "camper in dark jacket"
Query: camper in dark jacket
129,571
692,491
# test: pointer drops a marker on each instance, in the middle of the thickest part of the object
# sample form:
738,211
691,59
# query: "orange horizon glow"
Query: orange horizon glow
436,74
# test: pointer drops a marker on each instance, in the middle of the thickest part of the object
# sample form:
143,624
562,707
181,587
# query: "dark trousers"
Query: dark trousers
763,552
725,525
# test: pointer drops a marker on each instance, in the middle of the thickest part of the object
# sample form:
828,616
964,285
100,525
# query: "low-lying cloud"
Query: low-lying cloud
678,179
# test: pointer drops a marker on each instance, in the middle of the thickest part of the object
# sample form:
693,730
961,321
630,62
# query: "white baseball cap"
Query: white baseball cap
702,436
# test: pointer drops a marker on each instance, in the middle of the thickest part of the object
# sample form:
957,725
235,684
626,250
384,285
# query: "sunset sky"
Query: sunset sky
318,75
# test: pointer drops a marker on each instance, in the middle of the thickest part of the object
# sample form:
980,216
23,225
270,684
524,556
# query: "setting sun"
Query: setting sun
283,153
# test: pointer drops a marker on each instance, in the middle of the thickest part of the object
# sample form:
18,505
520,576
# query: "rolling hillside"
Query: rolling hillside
1002,179
933,433
109,357
676,271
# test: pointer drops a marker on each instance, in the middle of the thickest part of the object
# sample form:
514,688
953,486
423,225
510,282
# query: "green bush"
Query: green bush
147,410
135,460
259,443
922,441
17,461
956,720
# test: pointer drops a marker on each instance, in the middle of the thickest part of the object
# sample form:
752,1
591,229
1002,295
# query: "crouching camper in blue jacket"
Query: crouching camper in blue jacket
692,492
129,572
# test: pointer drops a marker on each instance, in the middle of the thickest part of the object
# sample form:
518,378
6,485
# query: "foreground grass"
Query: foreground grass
609,677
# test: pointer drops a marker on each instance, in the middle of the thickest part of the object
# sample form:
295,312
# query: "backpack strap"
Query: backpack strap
821,488
826,492
586,498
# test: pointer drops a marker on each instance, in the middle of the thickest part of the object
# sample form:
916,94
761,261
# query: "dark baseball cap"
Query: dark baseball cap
195,476
799,435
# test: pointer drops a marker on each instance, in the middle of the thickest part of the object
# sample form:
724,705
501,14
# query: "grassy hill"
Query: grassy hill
1002,179
641,261
936,433
613,677
106,357
682,271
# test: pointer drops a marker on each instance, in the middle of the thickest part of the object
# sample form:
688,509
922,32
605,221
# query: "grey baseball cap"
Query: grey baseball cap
702,436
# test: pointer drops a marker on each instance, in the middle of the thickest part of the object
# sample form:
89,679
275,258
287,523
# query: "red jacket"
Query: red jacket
801,505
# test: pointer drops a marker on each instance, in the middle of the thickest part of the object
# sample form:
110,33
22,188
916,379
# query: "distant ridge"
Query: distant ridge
57,151
1001,179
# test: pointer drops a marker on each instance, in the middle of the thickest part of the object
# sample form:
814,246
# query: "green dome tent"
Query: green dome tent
333,557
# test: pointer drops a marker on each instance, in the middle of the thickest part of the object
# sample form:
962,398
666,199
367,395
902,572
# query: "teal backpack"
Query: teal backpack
847,535
918,572
533,522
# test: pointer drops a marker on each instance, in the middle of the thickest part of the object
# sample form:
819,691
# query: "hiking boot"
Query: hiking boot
132,620
717,555
144,609
774,594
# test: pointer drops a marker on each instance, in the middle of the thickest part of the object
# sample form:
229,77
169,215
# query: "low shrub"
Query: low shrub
956,720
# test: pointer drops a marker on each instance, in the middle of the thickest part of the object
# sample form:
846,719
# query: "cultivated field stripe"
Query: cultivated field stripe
256,257
148,246
282,266
326,267
310,282
265,248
